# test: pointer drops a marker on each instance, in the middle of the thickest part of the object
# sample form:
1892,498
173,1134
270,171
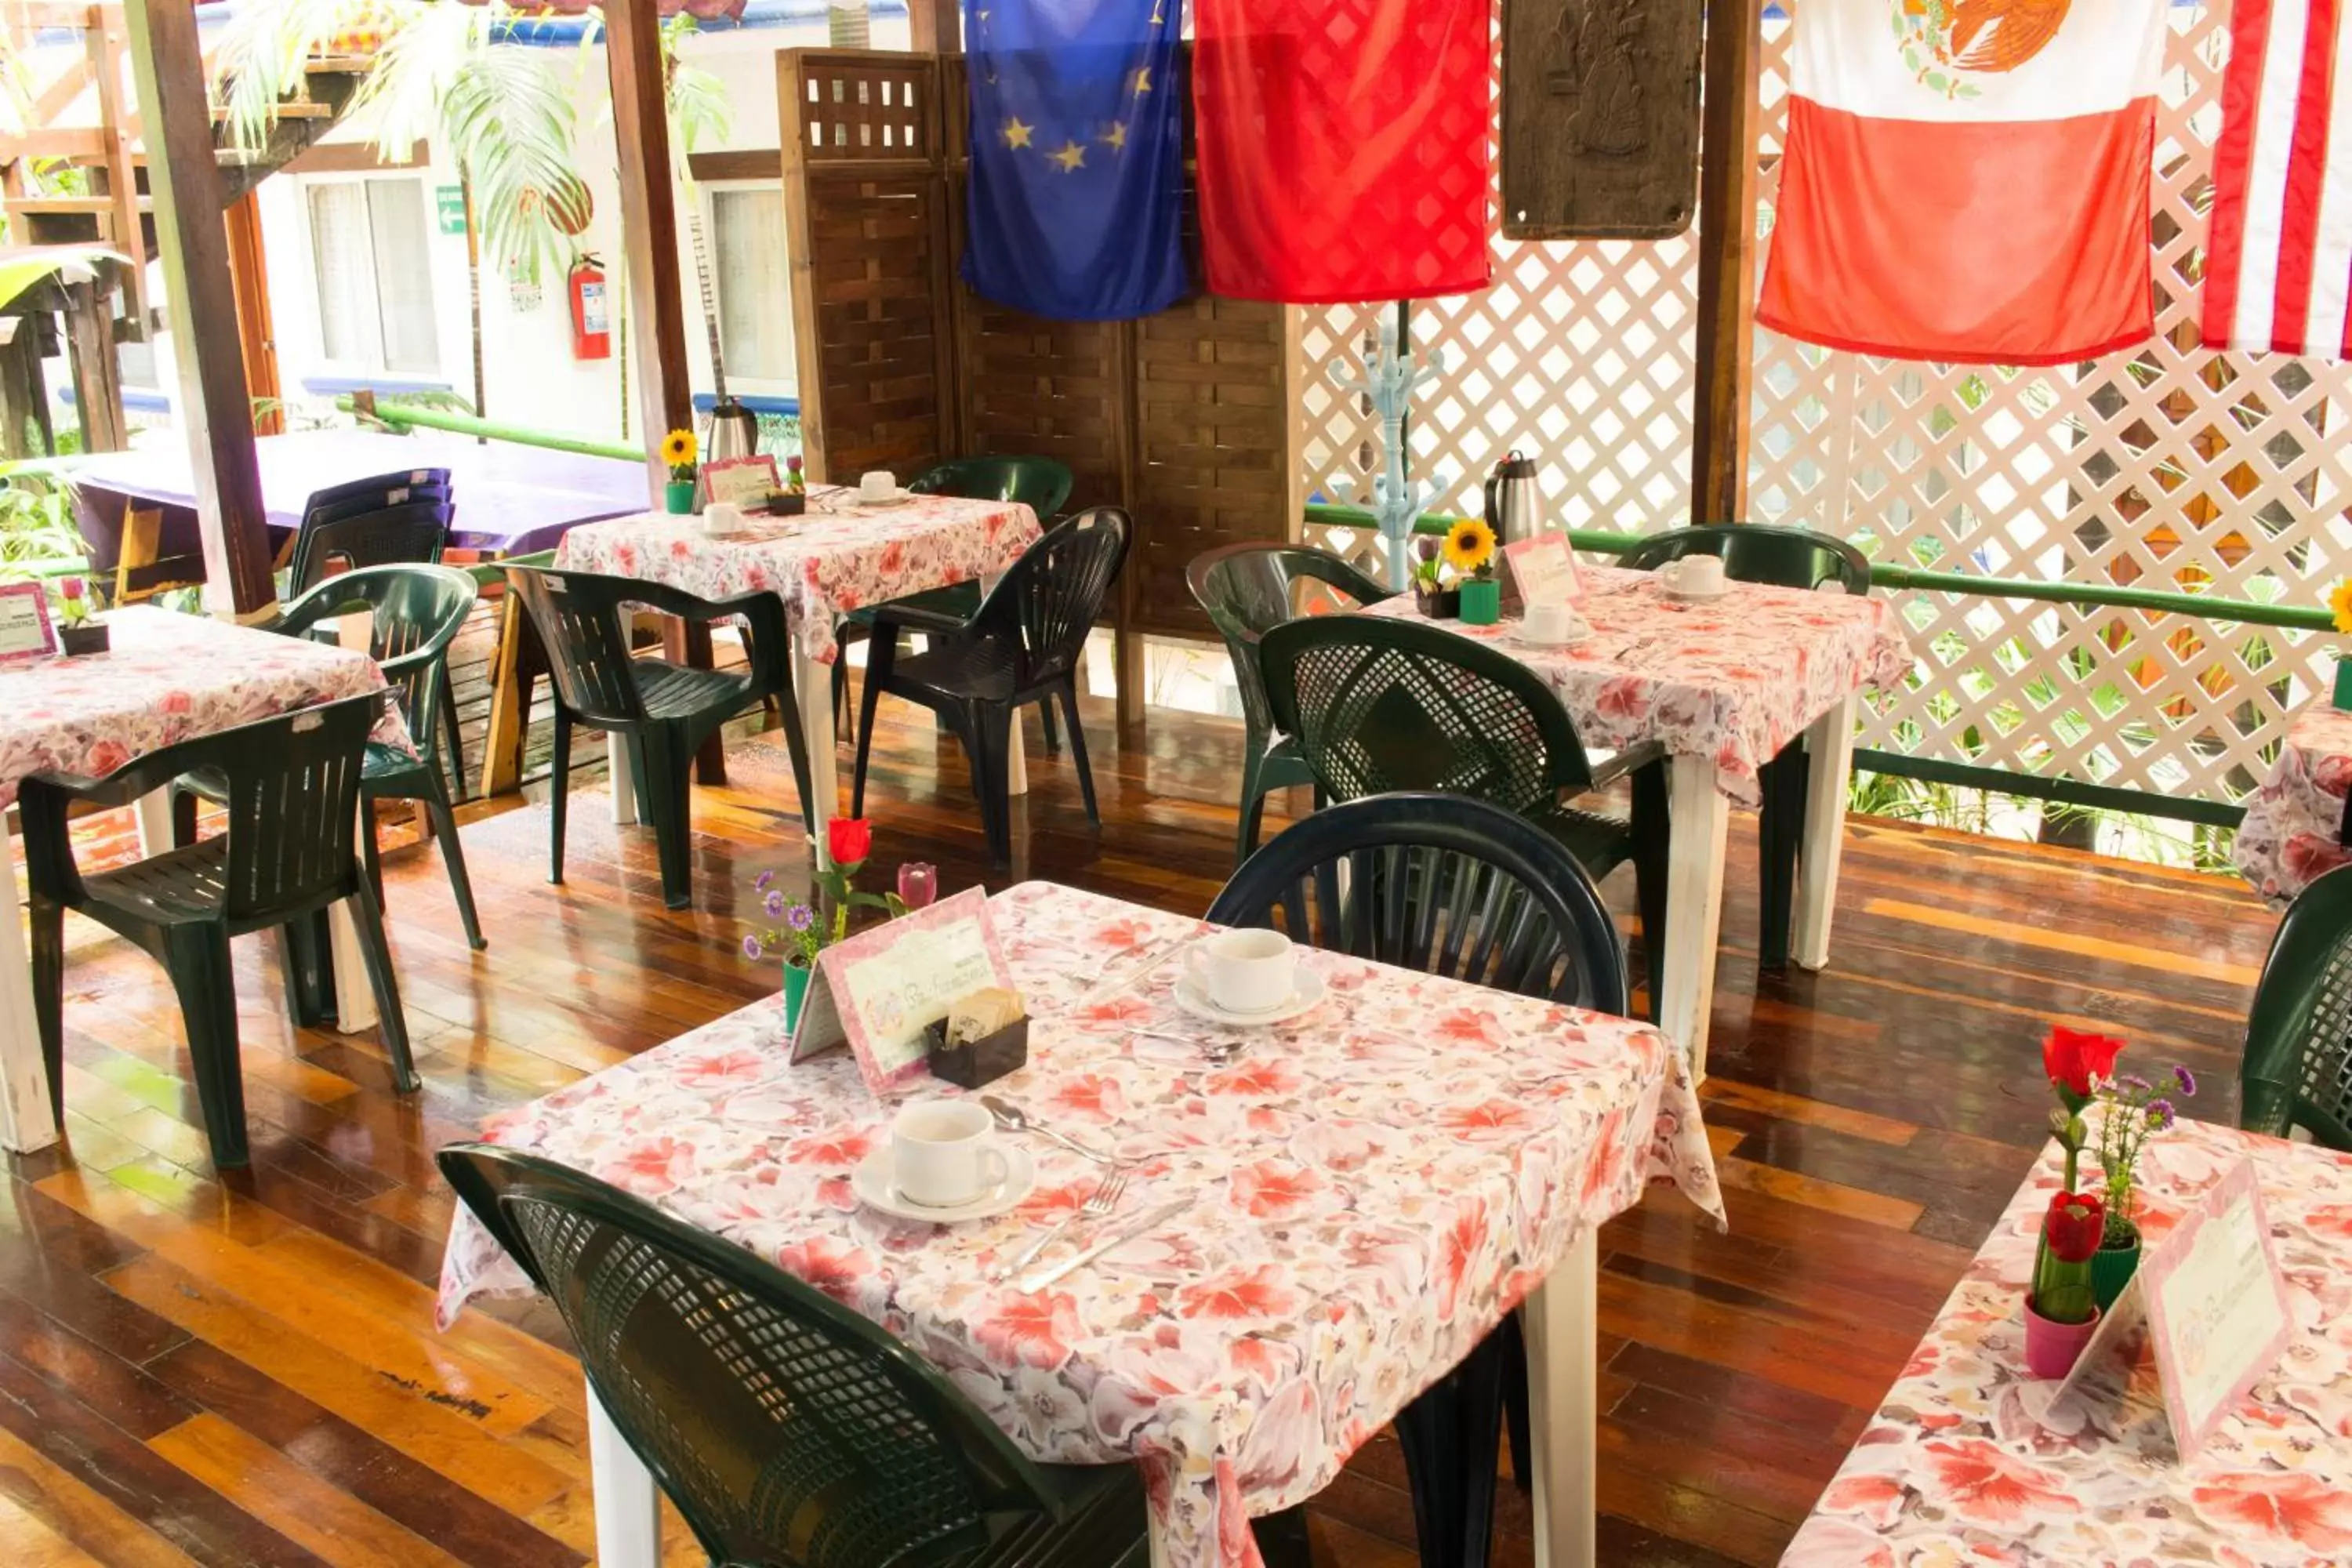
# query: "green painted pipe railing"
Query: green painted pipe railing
457,424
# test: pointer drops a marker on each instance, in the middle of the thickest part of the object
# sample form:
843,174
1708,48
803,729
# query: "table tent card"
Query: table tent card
2216,1312
747,482
1542,570
25,629
879,989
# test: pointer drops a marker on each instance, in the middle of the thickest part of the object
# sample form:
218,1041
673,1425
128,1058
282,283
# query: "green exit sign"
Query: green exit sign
449,205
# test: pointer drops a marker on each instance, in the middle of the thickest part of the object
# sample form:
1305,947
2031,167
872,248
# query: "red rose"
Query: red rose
2075,1060
2075,1226
848,839
71,588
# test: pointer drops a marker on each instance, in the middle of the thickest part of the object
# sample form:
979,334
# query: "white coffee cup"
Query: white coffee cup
723,517
944,1153
876,484
1548,624
1244,971
1696,574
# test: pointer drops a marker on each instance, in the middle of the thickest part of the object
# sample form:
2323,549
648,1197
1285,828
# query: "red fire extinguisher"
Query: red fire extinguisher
592,318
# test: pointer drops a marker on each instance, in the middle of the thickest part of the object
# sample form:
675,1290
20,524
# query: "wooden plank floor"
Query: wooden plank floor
242,1369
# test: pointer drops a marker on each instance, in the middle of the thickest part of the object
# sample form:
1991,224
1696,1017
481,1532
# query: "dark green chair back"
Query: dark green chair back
1039,483
2297,1067
412,532
415,613
1250,589
1759,552
375,493
578,617
1048,601
787,1429
1377,705
1446,886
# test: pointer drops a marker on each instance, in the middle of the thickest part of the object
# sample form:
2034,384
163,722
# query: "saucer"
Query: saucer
871,1182
1307,991
1685,596
900,498
1576,635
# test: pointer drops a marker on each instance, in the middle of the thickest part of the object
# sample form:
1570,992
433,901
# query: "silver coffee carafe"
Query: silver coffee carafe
1515,504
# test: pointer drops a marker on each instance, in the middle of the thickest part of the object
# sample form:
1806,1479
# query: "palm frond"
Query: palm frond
258,62
700,111
509,121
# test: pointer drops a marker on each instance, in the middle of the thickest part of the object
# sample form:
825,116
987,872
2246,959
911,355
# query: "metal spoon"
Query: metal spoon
1216,1053
1012,1119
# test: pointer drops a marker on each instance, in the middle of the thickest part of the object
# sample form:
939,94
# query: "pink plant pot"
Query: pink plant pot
2052,1349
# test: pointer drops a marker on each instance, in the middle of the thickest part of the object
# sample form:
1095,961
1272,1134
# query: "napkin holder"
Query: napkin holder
787,503
89,637
985,1058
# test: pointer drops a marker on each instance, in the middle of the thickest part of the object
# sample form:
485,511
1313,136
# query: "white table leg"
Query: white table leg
624,783
813,690
1829,742
354,997
1563,1378
628,1509
25,1124
1017,764
1701,819
152,812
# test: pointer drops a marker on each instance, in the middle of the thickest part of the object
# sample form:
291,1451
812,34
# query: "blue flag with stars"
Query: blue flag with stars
1076,205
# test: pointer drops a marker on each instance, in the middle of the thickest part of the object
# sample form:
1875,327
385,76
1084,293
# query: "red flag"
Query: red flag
1343,147
1970,184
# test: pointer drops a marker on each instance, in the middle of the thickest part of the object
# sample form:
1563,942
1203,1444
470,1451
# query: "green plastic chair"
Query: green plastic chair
1379,705
2297,1067
292,787
1247,591
666,711
1041,484
1784,558
789,1430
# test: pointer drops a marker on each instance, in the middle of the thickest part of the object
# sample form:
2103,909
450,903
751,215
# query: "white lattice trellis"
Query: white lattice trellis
2168,467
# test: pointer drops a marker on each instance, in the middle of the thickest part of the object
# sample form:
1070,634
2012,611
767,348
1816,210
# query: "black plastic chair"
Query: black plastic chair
292,788
1041,484
788,1430
666,711
1248,590
376,492
1376,705
1471,892
1027,642
2297,1067
1785,558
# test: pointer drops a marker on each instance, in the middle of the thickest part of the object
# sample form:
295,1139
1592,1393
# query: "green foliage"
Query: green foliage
36,519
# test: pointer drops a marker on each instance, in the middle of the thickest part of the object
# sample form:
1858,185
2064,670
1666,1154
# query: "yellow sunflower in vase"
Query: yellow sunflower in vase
677,454
1470,551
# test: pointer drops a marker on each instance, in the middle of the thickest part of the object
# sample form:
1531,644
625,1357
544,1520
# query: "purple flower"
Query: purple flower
2133,1080
751,947
2187,1080
759,883
2159,1115
800,917
773,903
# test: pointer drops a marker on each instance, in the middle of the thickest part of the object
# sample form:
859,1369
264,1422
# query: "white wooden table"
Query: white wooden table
1724,686
1345,1244
841,556
167,677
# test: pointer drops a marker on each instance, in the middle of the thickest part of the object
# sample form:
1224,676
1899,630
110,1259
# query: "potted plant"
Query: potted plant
2062,1309
801,931
80,629
678,451
1470,551
798,934
2339,604
1439,603
2133,1109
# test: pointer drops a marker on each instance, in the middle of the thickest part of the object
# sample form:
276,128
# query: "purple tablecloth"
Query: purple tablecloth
510,499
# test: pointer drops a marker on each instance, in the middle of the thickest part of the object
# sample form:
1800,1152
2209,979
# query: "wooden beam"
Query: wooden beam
351,158
1727,264
97,371
193,247
734,163
934,27
248,270
106,41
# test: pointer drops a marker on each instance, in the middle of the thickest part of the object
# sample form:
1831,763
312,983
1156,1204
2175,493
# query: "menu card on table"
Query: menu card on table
25,629
1543,570
747,482
879,989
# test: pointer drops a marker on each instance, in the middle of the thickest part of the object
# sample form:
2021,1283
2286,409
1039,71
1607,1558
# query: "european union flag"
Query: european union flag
1075,207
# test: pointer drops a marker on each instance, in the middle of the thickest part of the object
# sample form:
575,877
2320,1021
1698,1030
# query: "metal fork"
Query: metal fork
1100,1202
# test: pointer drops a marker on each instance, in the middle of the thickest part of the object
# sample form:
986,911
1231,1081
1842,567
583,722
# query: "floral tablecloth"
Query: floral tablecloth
2292,823
1378,1184
840,556
163,678
1953,1470
1733,680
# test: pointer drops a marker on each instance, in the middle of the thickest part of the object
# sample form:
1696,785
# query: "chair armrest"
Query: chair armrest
1630,760
767,645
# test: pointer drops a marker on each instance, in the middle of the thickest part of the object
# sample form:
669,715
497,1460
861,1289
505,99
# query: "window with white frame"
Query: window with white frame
376,285
750,285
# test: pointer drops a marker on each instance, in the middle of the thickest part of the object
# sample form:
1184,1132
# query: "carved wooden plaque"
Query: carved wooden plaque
1600,118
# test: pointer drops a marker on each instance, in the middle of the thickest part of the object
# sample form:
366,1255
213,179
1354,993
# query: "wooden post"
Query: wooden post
657,305
194,248
97,371
248,271
934,27
102,35
1727,264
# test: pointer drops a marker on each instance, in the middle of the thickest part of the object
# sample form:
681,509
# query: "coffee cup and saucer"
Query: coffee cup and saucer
943,1163
1693,579
1552,625
1245,977
879,486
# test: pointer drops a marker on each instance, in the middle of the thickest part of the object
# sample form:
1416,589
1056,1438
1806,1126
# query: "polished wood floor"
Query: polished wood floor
242,1369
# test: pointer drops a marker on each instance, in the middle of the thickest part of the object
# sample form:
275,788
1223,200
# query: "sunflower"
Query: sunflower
2339,600
1469,546
678,450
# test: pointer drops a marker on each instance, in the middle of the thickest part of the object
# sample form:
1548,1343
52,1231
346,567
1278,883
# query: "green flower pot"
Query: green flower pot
796,984
2343,683
679,496
2112,1268
1482,602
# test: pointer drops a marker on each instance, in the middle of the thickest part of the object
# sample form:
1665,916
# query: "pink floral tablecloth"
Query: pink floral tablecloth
1378,1184
838,557
167,677
1733,680
2290,835
1953,1470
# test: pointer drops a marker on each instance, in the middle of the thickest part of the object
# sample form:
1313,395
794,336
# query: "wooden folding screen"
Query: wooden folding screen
1188,419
